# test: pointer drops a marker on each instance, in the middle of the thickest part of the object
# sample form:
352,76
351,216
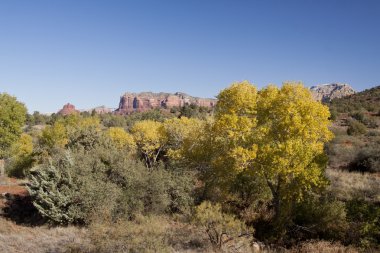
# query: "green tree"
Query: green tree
12,119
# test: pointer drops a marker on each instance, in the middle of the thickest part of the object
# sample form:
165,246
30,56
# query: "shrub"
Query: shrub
358,115
356,128
77,187
320,217
367,160
365,227
52,187
19,166
218,224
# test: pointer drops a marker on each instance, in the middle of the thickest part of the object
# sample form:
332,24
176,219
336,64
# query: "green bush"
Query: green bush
52,187
19,166
365,223
78,186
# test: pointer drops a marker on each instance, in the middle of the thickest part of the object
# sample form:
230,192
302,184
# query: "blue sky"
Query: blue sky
90,52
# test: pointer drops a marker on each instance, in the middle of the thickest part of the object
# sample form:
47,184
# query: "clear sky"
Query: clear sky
90,52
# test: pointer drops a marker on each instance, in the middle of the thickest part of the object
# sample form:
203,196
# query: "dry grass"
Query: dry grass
145,234
20,239
322,246
348,185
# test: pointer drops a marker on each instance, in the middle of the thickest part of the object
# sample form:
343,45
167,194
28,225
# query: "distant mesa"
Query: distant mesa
67,110
327,92
144,101
132,102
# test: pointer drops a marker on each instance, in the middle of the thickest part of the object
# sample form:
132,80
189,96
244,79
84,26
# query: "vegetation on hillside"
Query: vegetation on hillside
357,129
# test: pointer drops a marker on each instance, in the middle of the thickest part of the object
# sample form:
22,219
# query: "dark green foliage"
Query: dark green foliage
37,119
113,120
193,111
154,114
365,223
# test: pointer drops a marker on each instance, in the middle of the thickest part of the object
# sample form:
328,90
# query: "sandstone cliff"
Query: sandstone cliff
327,92
143,101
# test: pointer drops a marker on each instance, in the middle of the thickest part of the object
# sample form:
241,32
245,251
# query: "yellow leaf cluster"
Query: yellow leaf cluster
121,138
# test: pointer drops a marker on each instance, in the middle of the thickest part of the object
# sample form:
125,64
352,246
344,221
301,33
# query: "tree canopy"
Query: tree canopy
12,119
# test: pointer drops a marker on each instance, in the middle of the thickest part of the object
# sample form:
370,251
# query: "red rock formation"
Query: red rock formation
68,109
131,102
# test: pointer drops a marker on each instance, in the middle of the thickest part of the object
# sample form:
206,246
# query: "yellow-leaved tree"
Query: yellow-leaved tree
22,156
54,136
150,140
291,132
234,125
121,138
179,131
277,134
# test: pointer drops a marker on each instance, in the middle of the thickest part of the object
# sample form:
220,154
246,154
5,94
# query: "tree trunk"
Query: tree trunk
275,189
277,207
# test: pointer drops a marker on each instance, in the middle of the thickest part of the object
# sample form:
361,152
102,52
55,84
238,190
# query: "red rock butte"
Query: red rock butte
68,109
132,102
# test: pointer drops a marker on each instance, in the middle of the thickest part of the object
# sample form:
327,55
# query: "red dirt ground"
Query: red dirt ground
13,187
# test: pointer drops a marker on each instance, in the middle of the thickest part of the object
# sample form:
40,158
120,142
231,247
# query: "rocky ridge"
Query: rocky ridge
143,101
327,92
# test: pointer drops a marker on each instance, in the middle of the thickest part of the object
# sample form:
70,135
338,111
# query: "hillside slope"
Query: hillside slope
356,125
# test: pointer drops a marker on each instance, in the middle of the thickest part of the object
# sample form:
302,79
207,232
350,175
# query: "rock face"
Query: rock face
327,92
68,109
102,109
99,110
131,102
